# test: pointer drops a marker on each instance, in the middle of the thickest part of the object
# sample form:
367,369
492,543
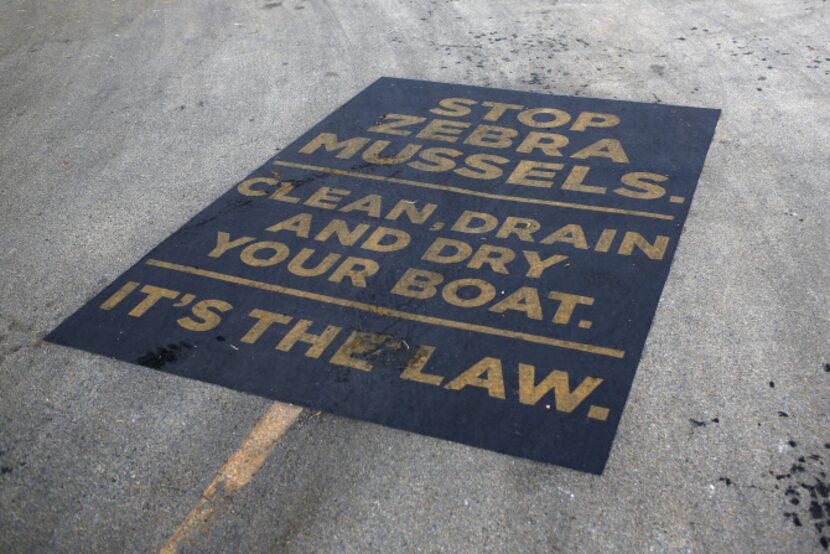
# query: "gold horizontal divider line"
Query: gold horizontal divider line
471,192
390,312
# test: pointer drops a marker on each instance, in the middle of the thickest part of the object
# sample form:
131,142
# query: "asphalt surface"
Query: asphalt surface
119,121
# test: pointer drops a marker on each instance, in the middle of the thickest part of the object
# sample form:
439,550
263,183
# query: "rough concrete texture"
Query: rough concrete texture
120,120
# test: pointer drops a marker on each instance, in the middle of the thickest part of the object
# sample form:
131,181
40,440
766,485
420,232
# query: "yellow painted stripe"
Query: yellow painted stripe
235,474
471,192
390,312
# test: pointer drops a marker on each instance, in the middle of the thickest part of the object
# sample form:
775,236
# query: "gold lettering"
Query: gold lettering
281,194
119,295
645,190
401,239
463,223
605,240
497,257
154,294
522,227
295,266
525,299
203,310
327,198
603,148
299,224
357,270
409,208
497,109
414,370
480,162
567,303
454,107
299,333
264,321
346,236
575,178
329,141
654,251
436,158
446,130
357,343
492,136
369,204
529,117
566,400
526,169
537,265
570,234
548,143
597,120
486,292
224,243
417,283
246,187
394,127
494,383
435,253
248,255
373,153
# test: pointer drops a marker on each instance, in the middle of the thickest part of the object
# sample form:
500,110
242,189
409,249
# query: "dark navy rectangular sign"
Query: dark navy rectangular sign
474,264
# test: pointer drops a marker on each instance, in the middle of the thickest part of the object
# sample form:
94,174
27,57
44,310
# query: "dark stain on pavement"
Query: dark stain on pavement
808,494
163,355
700,423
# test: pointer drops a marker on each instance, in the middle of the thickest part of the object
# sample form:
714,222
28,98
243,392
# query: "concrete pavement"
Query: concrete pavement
120,121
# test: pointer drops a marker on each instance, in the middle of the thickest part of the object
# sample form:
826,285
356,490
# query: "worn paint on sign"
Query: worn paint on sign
474,264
